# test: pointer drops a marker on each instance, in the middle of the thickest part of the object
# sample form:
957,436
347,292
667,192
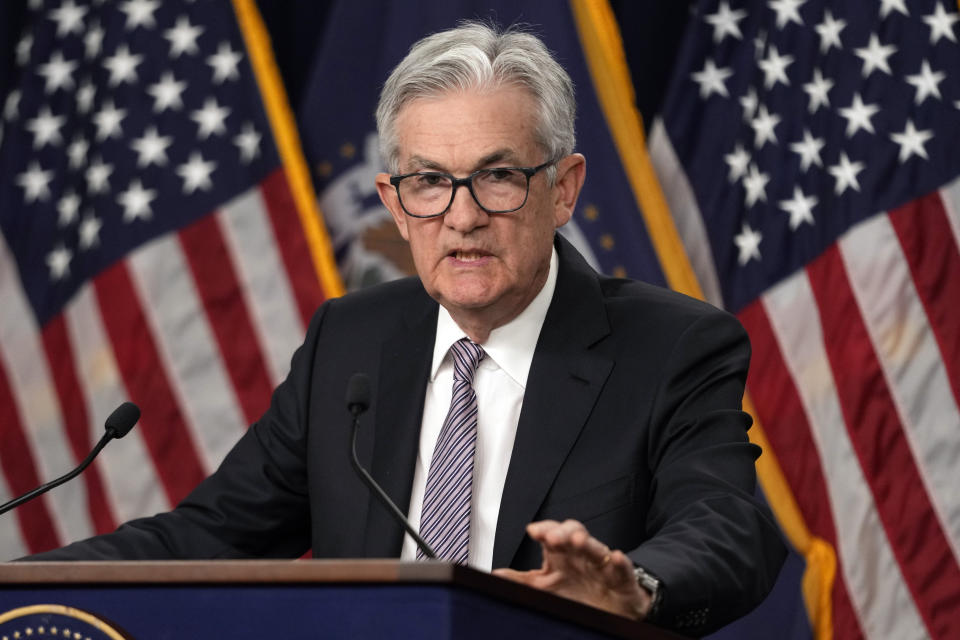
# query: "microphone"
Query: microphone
358,401
117,425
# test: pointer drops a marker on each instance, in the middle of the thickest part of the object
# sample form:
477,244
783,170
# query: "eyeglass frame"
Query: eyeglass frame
467,182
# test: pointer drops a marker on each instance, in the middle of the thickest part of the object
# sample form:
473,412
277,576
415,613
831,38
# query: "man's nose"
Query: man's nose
464,214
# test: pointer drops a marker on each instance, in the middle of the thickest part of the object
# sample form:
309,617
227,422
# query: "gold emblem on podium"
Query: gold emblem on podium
56,621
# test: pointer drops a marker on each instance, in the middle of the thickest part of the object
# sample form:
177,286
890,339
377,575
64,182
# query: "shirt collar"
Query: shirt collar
511,346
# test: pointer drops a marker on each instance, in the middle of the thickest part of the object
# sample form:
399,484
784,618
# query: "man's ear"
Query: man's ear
571,172
390,199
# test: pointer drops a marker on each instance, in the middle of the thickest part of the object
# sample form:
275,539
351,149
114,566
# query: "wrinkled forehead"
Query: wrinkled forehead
468,129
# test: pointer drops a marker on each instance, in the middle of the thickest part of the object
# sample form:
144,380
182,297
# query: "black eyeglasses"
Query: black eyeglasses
428,194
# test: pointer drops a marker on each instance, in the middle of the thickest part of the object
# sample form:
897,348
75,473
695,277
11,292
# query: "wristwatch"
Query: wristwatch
652,585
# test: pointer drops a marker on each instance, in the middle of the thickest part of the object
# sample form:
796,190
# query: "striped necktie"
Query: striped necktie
445,518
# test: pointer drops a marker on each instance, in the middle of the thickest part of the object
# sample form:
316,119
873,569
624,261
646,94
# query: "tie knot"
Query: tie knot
466,356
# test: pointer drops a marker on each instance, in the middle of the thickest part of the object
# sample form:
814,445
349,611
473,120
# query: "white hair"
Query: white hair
480,56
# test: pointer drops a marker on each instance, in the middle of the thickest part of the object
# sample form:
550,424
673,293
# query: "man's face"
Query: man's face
482,267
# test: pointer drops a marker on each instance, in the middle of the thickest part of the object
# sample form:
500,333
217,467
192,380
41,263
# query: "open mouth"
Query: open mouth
467,256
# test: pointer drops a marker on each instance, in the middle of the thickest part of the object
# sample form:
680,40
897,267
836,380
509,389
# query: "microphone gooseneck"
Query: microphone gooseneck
358,401
117,425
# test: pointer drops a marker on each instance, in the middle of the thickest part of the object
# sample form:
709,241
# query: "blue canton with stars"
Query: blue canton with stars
796,119
129,120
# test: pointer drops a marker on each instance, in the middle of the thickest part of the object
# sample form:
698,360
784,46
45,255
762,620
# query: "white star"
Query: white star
817,89
93,41
774,68
89,232
69,18
46,128
763,127
183,37
11,106
108,121
725,22
756,185
886,6
787,11
196,174
122,66
85,95
58,72
166,93
140,13
711,79
829,31
911,142
59,262
737,160
800,208
77,152
23,49
858,115
748,243
35,182
224,63
809,150
68,206
749,103
248,143
151,148
941,24
845,173
136,201
97,175
926,82
210,119
875,55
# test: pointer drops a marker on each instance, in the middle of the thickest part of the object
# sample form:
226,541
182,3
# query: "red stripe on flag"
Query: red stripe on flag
220,290
784,419
918,542
292,242
928,243
56,344
162,426
33,517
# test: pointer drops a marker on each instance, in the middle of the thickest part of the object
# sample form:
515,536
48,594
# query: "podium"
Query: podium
288,600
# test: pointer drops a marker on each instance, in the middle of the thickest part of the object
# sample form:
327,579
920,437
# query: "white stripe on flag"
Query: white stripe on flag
685,211
25,361
273,310
132,485
11,541
912,365
950,194
187,347
874,581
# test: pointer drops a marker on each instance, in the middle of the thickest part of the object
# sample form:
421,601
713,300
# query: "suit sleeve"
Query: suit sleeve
254,505
713,545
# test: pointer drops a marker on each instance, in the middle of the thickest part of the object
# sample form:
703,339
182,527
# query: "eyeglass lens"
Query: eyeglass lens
428,194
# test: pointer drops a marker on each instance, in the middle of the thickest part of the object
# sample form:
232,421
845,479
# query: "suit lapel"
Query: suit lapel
401,384
565,379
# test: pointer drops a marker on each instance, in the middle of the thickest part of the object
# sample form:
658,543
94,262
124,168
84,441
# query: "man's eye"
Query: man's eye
501,174
430,180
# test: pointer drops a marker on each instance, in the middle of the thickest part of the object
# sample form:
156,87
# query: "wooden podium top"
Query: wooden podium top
324,571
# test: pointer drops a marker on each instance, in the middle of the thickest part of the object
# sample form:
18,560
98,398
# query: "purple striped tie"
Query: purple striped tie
445,518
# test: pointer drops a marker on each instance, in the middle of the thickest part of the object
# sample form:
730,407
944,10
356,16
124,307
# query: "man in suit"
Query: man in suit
605,412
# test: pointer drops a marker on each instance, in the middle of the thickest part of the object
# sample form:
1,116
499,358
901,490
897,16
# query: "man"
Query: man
604,412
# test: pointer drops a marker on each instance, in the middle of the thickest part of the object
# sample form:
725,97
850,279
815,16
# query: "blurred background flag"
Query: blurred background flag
808,152
160,242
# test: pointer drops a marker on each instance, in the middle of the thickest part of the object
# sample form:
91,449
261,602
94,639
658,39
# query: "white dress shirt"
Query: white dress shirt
499,383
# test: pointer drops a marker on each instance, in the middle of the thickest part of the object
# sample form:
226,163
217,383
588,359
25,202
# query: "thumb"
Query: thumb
523,577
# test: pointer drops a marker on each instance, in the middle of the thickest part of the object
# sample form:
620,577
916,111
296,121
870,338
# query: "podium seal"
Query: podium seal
56,621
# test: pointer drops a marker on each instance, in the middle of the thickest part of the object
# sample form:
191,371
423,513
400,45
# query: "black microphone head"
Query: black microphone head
122,419
358,393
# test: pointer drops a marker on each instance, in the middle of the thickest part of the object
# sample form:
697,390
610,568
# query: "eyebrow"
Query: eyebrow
492,158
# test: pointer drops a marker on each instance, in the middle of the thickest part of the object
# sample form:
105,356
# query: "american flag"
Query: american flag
157,246
810,153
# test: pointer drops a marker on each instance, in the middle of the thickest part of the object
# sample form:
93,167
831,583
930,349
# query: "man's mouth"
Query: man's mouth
467,256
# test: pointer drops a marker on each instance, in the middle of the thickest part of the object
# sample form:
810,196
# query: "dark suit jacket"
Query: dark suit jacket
630,423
